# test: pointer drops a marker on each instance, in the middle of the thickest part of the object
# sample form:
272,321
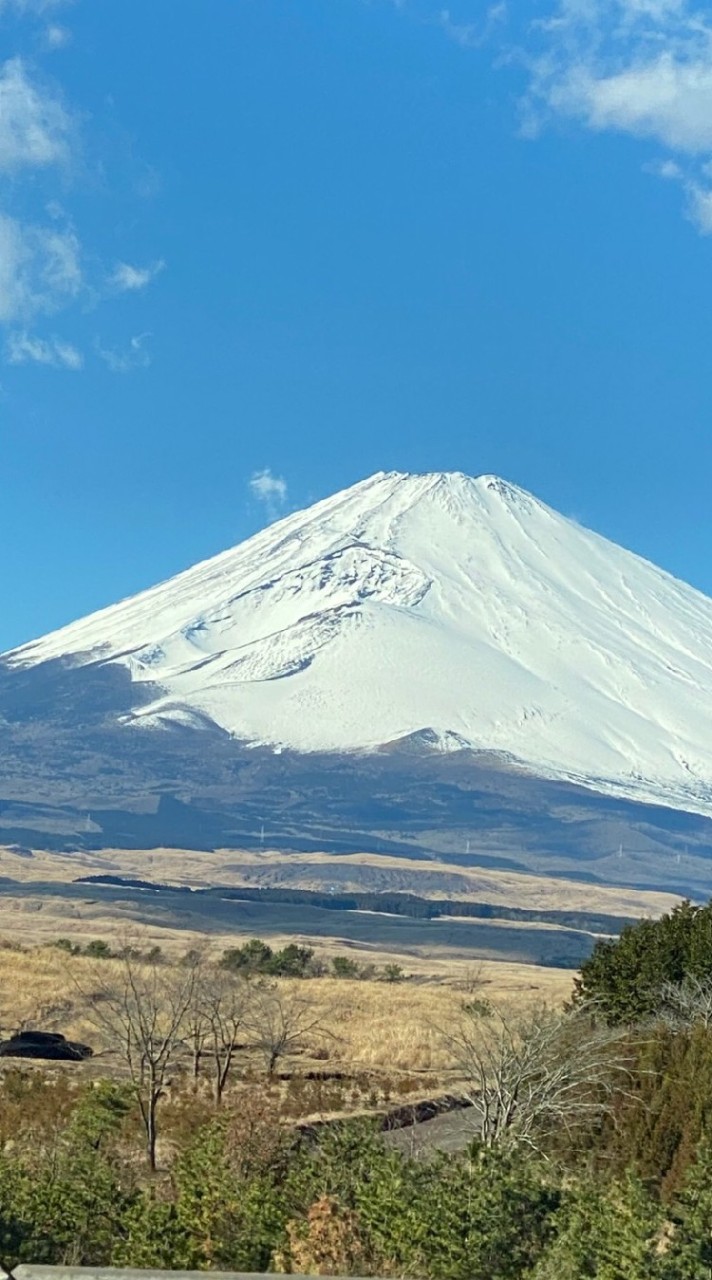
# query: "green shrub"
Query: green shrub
393,973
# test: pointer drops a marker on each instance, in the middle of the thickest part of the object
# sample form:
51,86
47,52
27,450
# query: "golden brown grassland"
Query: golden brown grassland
351,872
370,1024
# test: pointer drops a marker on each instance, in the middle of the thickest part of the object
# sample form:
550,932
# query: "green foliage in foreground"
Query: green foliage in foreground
243,1194
628,1196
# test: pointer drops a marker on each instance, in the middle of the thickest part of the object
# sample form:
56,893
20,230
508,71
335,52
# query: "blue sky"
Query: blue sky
312,239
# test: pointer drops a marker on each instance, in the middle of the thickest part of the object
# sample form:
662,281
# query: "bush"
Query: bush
257,957
393,973
291,962
658,1117
625,976
689,1254
254,957
98,949
230,1214
329,1241
485,1217
65,944
606,1232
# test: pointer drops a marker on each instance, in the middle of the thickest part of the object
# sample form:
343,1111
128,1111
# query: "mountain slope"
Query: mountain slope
409,603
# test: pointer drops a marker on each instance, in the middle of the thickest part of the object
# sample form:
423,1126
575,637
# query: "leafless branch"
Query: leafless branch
529,1075
220,1004
141,1010
280,1021
686,1004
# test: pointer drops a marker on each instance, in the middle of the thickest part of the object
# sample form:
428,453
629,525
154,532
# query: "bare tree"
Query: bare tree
141,1010
280,1021
687,1004
197,1033
222,1000
529,1075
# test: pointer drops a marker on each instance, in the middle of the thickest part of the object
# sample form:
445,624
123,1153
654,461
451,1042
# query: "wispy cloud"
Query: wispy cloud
34,125
40,264
636,67
23,348
126,359
270,490
44,268
471,35
128,279
40,269
642,68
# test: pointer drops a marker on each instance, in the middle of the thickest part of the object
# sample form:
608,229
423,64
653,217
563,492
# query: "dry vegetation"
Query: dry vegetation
387,1033
374,1025
352,872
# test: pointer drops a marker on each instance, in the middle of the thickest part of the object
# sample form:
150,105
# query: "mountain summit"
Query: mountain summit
409,603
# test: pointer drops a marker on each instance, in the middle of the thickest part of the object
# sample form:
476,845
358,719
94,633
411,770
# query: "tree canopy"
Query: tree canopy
626,976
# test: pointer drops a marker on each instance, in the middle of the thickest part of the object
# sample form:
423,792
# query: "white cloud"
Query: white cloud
126,359
34,126
42,263
470,35
662,99
126,278
269,489
57,36
40,269
636,67
29,6
23,348
699,201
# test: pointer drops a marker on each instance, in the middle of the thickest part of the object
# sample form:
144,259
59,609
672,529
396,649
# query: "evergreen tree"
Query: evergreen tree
609,1234
625,975
689,1253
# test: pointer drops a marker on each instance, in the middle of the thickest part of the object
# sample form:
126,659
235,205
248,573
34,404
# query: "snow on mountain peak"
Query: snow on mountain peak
437,602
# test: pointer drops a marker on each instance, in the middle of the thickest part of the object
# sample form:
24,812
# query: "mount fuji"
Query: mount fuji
434,626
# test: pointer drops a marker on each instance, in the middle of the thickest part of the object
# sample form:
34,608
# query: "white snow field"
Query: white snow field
410,602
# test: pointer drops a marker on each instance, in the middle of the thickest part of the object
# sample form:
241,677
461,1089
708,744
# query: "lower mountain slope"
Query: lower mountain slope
74,776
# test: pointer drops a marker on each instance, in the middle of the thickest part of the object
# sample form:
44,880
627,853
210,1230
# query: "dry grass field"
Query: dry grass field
350,872
366,1024
40,902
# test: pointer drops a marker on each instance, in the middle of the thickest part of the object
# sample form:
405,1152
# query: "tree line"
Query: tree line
253,957
402,904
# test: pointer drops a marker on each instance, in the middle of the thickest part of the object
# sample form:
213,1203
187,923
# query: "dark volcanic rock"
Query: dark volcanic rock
44,1044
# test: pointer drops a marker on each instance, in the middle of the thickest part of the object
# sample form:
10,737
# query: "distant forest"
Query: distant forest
399,904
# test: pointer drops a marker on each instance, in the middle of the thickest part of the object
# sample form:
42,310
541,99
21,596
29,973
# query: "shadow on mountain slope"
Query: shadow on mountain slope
75,772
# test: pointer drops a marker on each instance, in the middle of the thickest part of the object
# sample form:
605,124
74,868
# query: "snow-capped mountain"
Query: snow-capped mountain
441,603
